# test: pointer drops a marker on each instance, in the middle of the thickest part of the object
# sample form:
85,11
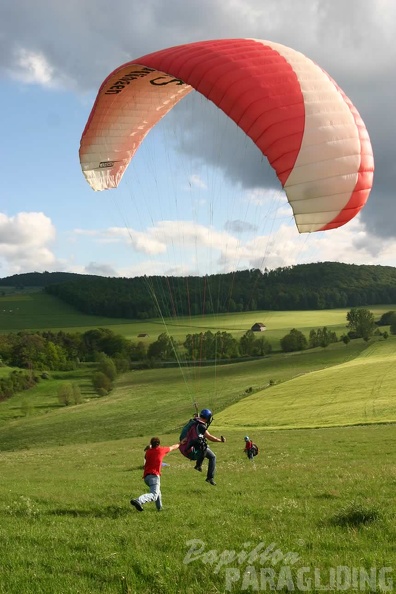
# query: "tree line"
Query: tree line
318,286
43,352
49,351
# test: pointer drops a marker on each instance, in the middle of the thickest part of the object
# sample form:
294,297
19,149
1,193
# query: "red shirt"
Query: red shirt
154,457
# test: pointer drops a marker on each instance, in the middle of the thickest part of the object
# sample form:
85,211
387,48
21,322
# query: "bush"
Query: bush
69,393
122,365
101,392
16,381
107,366
102,382
294,341
345,339
65,394
77,396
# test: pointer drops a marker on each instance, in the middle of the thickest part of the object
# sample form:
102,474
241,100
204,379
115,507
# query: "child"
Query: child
249,449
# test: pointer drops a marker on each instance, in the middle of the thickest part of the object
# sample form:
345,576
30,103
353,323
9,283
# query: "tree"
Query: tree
53,356
163,348
261,347
313,339
69,393
294,341
361,322
392,327
345,339
207,346
107,366
28,351
226,346
251,346
138,351
386,318
191,344
321,337
246,343
101,383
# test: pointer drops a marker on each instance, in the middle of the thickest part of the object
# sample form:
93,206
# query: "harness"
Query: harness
193,443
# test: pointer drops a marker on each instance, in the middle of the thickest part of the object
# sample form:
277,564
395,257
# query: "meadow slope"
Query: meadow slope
318,502
359,391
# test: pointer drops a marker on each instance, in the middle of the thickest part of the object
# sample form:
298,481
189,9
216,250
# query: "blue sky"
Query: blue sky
196,198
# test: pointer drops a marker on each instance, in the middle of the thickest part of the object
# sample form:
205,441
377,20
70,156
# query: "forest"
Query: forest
326,285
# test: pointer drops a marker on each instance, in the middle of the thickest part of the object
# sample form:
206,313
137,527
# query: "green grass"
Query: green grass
67,526
43,398
5,370
318,497
362,390
39,311
171,392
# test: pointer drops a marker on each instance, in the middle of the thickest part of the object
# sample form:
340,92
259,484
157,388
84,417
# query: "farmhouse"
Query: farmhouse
258,327
142,335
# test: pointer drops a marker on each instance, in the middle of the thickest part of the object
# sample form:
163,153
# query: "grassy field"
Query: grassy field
171,392
39,311
320,499
362,390
317,504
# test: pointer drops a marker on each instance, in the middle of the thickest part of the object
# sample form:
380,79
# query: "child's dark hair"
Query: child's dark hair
154,442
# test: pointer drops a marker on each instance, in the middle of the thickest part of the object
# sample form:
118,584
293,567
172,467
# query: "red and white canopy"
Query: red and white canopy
298,117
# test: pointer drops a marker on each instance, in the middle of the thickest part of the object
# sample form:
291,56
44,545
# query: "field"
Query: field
326,496
39,311
315,511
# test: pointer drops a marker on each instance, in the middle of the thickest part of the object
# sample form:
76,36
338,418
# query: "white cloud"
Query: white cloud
352,244
238,226
31,229
142,242
186,247
195,181
24,241
261,196
33,68
99,269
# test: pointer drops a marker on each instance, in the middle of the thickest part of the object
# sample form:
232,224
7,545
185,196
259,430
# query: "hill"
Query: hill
313,498
323,387
357,391
38,279
326,285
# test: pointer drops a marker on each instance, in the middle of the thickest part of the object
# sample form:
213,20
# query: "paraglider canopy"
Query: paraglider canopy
297,116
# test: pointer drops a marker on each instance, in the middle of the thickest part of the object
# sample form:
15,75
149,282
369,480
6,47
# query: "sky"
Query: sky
197,198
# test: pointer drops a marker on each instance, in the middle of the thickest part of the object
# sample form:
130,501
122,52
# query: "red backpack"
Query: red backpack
255,449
